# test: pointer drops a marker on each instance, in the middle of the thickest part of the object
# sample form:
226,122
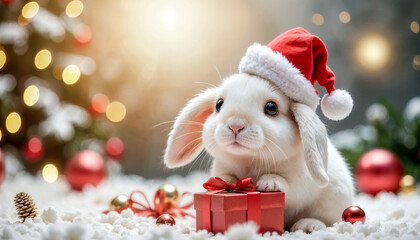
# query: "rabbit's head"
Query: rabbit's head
247,118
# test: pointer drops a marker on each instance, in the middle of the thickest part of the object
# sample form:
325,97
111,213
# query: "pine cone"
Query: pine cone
25,206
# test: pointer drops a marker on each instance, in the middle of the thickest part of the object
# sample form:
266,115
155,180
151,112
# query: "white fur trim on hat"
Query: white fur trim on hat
337,105
262,61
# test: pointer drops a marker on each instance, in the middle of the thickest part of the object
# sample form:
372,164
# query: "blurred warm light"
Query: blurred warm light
30,9
99,103
416,62
115,111
415,28
35,145
82,35
43,59
74,8
22,21
373,52
50,173
1,135
58,71
71,74
169,17
13,122
344,17
31,95
2,58
318,19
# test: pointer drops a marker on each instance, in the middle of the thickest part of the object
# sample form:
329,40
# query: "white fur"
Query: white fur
337,105
262,61
289,152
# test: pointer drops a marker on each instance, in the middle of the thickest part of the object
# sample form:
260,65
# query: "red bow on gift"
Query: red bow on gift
146,210
218,184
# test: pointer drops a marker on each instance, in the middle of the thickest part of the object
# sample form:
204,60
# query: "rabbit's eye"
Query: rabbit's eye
219,104
270,108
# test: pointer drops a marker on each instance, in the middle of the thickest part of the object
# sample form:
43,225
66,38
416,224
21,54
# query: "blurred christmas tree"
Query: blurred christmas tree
389,128
47,108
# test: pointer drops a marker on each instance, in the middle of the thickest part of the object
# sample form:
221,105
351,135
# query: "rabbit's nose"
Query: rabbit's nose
236,128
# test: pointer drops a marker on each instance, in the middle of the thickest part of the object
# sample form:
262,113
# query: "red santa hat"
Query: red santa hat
295,61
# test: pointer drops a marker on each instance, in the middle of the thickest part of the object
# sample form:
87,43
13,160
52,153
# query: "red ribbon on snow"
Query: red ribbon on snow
244,185
146,210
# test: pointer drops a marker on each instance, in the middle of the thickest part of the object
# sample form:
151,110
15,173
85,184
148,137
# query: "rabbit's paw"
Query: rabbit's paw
308,225
229,178
272,183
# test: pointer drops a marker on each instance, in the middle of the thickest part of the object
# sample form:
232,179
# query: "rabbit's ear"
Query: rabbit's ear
313,135
185,140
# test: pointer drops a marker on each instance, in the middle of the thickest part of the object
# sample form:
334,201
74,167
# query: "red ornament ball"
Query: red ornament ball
85,168
165,219
379,170
33,150
353,214
114,148
2,170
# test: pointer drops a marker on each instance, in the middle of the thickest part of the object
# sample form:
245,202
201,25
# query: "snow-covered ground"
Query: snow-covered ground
65,214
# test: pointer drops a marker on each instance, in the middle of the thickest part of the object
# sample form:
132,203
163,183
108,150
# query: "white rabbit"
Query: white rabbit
253,130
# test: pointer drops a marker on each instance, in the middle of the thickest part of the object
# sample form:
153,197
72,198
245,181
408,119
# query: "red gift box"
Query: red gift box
216,211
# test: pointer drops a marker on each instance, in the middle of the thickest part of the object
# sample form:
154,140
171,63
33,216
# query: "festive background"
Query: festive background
110,76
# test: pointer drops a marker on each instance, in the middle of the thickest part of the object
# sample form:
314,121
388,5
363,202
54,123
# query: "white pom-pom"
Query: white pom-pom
337,105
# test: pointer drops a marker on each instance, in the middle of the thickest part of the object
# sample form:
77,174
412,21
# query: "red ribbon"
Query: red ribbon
244,185
146,210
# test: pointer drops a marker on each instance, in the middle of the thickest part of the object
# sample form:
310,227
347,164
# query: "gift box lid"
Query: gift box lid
228,201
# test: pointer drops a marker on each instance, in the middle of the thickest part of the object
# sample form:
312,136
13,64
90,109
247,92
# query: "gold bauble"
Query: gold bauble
171,196
165,219
408,184
118,202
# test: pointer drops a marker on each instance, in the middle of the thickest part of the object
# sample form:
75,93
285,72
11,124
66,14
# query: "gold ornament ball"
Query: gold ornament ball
165,219
408,184
118,202
171,196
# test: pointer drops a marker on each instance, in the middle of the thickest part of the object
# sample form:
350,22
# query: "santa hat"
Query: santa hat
295,61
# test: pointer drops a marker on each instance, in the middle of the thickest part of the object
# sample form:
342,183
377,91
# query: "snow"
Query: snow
65,214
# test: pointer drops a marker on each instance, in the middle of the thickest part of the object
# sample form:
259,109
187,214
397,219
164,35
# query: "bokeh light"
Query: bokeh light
74,8
2,58
414,26
30,9
1,135
31,95
318,19
50,173
115,111
58,71
344,17
22,21
43,59
99,103
13,122
71,74
416,62
373,52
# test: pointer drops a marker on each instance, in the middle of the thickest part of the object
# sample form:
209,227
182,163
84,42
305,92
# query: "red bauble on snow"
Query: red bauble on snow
379,170
114,148
85,168
2,170
353,214
33,150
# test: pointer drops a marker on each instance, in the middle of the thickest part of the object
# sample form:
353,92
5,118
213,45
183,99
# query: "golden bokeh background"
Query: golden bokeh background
161,53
